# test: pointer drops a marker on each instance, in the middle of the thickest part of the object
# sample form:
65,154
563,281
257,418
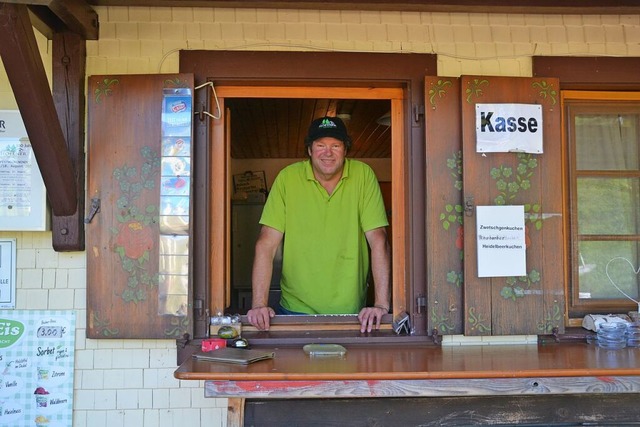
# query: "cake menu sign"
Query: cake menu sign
36,368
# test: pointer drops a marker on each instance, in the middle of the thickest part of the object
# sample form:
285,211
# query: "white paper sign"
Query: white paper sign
22,192
501,241
502,128
8,273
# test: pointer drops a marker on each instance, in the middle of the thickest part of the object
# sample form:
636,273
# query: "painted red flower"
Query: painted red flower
135,237
460,238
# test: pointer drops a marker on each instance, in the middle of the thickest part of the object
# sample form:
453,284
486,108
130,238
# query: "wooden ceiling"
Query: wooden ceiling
271,128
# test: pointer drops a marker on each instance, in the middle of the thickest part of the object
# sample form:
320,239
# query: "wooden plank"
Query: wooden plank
420,362
23,64
69,53
443,190
420,388
590,73
447,411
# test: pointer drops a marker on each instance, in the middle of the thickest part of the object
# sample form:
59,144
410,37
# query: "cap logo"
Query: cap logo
326,123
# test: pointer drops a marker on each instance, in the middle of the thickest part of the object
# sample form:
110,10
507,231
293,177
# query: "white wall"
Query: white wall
130,382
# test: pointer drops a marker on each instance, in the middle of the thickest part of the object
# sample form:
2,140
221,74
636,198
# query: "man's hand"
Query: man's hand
369,316
260,317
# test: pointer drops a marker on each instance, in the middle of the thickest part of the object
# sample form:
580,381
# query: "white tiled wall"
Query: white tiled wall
116,382
130,382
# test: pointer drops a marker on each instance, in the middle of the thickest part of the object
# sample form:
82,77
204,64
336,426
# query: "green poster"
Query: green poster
36,368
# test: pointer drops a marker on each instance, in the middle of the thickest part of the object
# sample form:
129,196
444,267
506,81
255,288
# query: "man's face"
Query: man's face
327,157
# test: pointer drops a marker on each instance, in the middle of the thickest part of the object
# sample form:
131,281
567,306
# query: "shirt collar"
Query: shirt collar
311,177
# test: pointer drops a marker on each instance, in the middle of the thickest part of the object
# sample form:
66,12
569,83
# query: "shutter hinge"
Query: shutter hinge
418,110
421,303
198,304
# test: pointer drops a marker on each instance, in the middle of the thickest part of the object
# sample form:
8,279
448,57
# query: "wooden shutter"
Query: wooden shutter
444,238
515,305
138,242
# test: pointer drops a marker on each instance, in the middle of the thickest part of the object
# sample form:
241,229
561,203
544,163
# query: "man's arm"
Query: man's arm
381,269
266,247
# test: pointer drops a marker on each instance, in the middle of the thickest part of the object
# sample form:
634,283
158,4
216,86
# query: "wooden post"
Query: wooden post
69,59
235,412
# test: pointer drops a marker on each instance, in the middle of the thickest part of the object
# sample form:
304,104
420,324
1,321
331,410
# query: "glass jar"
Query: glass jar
612,336
633,334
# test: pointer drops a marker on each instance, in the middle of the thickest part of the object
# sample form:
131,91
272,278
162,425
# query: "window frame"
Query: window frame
586,73
570,99
281,68
221,181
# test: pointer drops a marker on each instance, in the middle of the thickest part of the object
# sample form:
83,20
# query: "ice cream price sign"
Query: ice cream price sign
36,368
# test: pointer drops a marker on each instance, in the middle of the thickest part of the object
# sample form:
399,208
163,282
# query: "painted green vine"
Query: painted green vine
439,90
533,214
453,213
178,326
551,320
517,286
477,322
104,89
475,89
442,323
546,91
510,184
134,235
455,278
175,82
102,325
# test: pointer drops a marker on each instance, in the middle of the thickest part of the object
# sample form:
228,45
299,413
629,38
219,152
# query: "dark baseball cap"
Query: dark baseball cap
328,127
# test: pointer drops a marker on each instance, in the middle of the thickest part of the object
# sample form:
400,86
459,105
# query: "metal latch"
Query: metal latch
469,205
95,208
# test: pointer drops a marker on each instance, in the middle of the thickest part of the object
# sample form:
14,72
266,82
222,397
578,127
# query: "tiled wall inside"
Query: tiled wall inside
130,382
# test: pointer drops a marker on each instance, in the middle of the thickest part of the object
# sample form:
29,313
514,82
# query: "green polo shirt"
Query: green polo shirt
325,253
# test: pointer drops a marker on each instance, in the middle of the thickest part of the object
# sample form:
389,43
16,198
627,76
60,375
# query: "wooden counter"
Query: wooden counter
549,384
426,362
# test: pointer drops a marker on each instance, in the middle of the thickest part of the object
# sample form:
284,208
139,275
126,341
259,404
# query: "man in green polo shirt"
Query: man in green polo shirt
329,211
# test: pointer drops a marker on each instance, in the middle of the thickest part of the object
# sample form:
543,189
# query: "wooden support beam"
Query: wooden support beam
69,60
235,412
78,16
23,64
50,16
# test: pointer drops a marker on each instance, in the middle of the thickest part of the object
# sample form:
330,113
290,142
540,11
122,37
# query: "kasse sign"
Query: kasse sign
502,128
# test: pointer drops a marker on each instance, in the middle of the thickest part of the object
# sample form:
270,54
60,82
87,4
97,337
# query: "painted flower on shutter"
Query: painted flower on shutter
134,237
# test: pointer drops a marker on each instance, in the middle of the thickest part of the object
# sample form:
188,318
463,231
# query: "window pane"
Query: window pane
608,206
622,260
606,142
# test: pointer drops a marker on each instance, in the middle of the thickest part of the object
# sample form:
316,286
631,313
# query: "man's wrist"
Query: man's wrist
382,307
